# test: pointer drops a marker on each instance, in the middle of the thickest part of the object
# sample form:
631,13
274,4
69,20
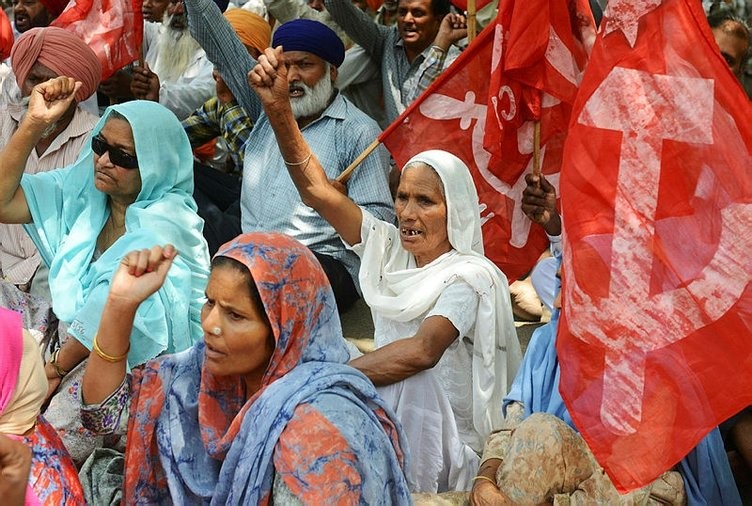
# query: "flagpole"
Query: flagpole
345,176
536,150
471,21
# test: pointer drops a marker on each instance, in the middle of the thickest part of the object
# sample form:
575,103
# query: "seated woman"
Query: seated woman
264,410
540,457
53,478
130,189
436,300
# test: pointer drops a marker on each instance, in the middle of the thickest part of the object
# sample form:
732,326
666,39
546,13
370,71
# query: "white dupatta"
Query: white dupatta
394,286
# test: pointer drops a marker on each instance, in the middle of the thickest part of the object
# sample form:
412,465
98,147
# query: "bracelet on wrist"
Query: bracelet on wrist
108,358
61,373
486,478
302,162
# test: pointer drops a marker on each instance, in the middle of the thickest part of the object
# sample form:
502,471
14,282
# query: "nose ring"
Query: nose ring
216,331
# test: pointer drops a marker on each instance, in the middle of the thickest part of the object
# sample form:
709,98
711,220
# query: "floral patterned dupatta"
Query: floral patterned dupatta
316,422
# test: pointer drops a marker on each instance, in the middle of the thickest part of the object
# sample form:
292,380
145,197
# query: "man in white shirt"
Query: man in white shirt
177,73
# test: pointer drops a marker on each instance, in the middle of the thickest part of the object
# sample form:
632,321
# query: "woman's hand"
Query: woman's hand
51,99
269,78
141,273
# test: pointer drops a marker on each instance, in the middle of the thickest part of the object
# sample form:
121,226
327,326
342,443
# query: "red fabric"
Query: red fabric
462,4
451,115
112,28
6,36
654,343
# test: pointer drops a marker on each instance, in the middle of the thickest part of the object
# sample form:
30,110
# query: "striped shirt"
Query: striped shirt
402,81
269,200
19,258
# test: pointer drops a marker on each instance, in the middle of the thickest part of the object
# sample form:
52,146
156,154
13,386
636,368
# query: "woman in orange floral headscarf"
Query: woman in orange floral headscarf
265,409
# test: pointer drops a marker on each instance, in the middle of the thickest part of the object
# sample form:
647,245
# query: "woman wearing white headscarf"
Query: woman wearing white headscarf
436,300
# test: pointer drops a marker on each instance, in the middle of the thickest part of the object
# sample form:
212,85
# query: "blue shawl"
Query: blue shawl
319,424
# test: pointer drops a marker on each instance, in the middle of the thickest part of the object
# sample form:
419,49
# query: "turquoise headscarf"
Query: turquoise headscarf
68,214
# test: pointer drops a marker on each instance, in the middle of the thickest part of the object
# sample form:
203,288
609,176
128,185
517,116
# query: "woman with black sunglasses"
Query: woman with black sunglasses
129,190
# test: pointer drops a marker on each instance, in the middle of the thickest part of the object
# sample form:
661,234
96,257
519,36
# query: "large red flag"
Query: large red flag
451,115
113,29
655,344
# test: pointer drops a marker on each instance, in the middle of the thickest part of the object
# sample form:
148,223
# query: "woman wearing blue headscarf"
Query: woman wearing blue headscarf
129,190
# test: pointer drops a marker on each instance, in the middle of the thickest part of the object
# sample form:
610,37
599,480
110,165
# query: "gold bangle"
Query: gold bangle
108,358
481,477
298,164
61,373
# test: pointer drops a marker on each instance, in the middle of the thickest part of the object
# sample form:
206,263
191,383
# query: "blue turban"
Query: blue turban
312,37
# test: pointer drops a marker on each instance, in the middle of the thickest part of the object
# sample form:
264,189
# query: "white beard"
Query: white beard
177,49
314,99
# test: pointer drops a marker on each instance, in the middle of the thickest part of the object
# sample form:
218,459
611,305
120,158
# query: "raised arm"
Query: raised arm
47,103
358,26
223,48
140,274
269,79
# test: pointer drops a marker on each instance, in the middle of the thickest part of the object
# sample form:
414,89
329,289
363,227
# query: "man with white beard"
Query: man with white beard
177,73
336,130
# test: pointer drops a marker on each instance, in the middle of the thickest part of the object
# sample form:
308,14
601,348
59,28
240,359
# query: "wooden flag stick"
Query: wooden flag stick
536,150
471,21
345,176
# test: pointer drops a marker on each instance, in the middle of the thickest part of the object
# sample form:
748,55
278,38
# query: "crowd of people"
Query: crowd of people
176,252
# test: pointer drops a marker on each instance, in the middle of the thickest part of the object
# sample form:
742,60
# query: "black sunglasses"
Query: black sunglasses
117,156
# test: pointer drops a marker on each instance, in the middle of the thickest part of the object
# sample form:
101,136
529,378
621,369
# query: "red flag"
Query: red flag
113,29
654,344
6,36
462,4
451,115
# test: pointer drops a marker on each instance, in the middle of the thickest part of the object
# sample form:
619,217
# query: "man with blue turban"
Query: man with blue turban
336,129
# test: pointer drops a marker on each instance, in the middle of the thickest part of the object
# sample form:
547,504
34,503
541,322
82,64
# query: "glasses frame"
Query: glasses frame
117,156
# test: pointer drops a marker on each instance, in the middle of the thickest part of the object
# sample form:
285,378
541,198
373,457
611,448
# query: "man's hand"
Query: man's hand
145,83
51,99
118,85
539,204
15,464
453,28
269,79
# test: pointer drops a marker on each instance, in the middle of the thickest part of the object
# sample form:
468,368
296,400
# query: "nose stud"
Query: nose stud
216,331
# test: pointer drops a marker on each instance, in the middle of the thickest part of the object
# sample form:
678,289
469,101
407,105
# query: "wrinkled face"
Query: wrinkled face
153,10
29,14
733,46
244,344
416,24
37,75
117,182
422,214
175,15
310,86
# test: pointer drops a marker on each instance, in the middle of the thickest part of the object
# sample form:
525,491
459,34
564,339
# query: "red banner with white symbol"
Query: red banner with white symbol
113,29
654,345
452,115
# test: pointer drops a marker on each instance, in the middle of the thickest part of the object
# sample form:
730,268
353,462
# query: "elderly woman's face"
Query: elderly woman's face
422,214
120,183
238,338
